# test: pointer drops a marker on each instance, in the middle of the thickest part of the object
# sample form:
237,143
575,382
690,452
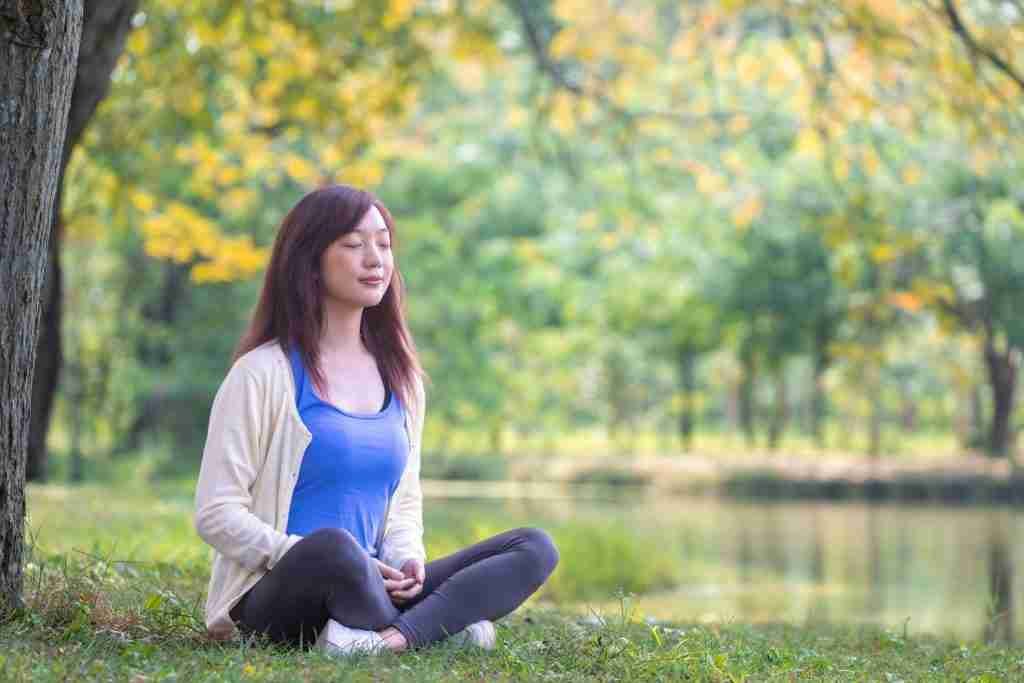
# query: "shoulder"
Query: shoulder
263,361
258,370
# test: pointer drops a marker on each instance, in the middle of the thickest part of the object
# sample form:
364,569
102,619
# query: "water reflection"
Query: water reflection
1000,573
948,571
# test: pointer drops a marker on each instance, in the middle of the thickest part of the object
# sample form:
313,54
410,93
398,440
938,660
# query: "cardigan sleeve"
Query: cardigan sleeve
223,502
403,535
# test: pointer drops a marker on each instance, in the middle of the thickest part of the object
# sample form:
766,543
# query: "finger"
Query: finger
389,572
392,586
409,593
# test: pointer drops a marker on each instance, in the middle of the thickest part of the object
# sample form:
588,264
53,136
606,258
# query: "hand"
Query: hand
414,570
394,580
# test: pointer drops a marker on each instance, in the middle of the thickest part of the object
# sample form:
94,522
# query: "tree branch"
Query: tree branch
554,70
976,48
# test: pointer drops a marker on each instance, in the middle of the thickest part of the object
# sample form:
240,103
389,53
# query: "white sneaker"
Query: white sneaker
480,634
338,639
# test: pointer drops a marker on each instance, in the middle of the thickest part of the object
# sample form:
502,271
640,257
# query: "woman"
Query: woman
309,487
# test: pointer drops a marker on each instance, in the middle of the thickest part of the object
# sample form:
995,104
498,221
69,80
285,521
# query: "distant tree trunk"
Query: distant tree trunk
497,434
746,402
38,53
876,409
822,362
76,398
908,412
688,380
105,26
875,425
780,411
1002,376
615,366
977,420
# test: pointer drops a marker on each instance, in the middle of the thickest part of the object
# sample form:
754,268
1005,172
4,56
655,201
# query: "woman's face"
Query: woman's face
348,264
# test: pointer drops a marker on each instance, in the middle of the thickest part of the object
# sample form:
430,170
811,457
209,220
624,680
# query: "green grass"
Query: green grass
116,578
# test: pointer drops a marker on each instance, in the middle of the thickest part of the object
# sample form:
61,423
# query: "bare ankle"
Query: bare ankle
393,639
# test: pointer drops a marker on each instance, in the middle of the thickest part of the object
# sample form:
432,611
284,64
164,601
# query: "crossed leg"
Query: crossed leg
329,575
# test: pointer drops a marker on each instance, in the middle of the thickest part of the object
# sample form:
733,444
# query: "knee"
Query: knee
539,544
336,550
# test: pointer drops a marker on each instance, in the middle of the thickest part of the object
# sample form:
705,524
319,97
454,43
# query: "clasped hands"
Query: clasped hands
405,584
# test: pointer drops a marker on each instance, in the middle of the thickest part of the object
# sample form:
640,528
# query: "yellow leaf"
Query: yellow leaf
562,112
739,123
911,174
564,43
744,214
142,200
301,170
906,301
363,173
808,143
709,182
883,253
748,68
470,76
398,12
871,161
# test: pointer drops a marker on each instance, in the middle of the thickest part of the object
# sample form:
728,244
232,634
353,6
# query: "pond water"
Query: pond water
941,570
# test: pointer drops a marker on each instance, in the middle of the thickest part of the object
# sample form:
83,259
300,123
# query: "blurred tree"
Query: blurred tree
978,249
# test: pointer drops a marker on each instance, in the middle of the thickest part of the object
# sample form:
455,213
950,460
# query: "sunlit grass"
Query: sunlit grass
840,441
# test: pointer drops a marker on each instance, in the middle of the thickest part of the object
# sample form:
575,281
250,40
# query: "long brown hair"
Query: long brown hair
290,308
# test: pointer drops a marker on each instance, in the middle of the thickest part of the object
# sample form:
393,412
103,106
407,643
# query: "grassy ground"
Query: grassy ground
160,642
116,578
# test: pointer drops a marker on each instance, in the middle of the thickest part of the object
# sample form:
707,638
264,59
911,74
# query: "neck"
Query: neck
340,333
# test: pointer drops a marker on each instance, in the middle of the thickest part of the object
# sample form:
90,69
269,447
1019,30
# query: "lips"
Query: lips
372,281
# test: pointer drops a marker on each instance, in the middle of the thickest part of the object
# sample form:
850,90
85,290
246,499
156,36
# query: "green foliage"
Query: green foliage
634,245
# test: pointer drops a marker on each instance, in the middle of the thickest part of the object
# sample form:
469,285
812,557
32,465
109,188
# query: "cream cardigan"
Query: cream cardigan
254,445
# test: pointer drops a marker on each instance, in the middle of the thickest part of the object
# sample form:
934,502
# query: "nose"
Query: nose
373,258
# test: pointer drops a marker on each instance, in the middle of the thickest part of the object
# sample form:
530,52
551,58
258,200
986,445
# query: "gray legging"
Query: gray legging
329,575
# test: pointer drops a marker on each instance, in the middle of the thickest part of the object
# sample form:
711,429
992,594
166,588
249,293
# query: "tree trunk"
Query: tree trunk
876,410
780,412
615,367
106,24
977,416
1002,376
746,402
908,410
875,425
688,379
38,54
497,437
822,361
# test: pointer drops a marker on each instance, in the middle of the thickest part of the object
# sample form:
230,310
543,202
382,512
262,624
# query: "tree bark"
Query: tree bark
106,24
39,43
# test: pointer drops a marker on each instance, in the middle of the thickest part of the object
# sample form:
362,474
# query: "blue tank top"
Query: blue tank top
350,468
